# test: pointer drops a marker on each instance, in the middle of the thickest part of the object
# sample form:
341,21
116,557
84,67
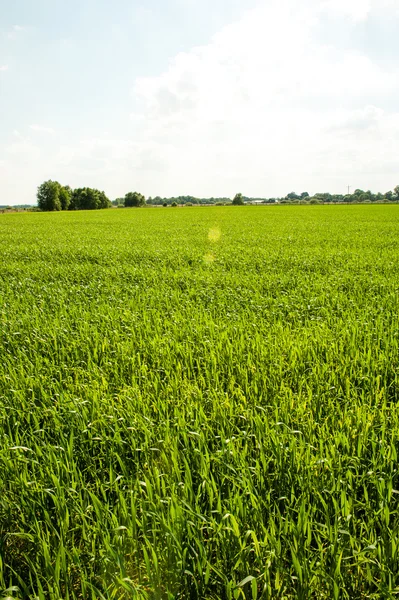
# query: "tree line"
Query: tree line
52,196
136,199
358,196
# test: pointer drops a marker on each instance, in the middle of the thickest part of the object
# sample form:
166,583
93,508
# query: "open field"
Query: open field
200,403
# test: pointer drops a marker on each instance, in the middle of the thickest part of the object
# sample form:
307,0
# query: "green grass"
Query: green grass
200,403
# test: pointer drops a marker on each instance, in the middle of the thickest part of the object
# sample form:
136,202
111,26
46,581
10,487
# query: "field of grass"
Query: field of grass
200,403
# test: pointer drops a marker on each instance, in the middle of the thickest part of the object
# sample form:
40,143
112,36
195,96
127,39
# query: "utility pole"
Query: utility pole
349,187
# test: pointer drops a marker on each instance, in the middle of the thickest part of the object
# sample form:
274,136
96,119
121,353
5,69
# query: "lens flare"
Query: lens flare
214,234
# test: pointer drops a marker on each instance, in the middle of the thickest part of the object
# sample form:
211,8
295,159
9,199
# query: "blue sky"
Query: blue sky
205,98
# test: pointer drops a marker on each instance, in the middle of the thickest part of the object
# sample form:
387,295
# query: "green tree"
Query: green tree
65,196
134,199
88,199
293,196
389,195
105,202
48,196
238,200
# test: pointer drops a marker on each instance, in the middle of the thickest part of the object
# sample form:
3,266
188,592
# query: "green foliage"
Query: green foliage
65,195
48,196
174,204
198,406
88,199
292,198
238,200
52,196
134,199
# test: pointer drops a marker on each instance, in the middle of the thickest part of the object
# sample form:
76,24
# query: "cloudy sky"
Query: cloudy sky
202,97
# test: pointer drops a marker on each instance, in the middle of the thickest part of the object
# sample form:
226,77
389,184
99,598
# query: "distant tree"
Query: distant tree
65,196
396,192
48,196
238,200
293,196
323,197
389,195
134,199
174,204
165,204
105,202
304,195
88,199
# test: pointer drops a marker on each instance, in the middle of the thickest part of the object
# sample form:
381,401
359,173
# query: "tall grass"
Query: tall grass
200,404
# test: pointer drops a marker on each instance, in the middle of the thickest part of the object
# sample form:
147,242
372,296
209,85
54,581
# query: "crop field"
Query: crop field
200,403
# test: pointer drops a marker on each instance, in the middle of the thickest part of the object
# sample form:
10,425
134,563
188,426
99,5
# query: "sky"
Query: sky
200,97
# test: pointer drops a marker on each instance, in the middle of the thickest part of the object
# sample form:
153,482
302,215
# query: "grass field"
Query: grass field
200,403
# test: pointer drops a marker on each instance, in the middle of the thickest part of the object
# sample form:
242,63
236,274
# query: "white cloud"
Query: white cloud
265,107
368,118
258,106
3,68
41,129
24,149
357,10
15,31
